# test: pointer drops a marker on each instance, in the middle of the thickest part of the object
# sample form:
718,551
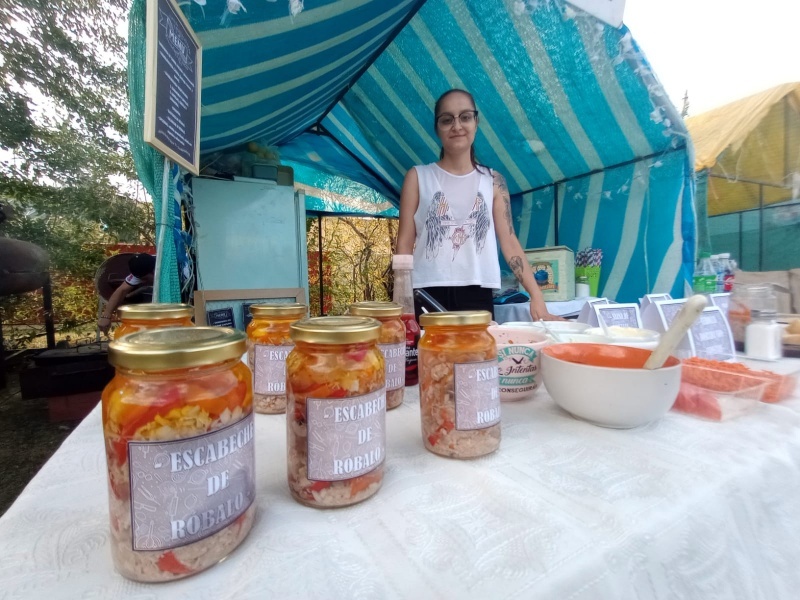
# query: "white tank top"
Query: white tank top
455,243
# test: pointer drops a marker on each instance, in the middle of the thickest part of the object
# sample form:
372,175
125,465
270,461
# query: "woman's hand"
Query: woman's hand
541,313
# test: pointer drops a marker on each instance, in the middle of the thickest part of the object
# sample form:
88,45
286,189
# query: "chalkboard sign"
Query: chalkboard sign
246,314
620,315
172,85
222,317
712,335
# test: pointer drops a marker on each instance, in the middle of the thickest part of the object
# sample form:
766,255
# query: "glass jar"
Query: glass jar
178,427
747,297
763,337
268,345
138,317
335,388
459,393
392,343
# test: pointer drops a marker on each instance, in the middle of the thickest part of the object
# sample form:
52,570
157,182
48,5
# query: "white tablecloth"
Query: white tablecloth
681,508
521,311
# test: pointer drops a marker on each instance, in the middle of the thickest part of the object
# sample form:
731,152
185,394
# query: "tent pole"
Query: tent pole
741,225
555,214
760,227
319,264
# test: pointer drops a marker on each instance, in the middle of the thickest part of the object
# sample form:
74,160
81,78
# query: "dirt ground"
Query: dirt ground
27,438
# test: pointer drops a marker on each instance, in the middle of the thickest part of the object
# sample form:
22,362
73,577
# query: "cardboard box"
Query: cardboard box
554,270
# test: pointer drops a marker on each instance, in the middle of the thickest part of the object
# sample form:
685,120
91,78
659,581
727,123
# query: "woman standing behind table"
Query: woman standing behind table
448,211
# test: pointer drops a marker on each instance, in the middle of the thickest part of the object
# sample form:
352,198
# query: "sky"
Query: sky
718,50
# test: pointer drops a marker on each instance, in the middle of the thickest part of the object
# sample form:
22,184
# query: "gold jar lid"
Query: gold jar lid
455,318
335,330
154,311
176,348
378,310
294,309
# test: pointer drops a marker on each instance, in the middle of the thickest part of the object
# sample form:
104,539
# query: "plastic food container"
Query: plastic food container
178,427
392,343
138,317
459,384
718,395
779,385
268,345
336,411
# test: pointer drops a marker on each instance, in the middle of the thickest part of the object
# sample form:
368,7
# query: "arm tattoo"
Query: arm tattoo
517,268
500,183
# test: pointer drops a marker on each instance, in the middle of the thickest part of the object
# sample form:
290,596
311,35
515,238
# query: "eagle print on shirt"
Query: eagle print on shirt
440,225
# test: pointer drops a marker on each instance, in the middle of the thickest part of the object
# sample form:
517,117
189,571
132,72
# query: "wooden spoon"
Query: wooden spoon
677,329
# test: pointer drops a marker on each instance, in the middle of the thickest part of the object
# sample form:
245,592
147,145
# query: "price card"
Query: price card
659,316
221,317
587,314
722,301
650,298
620,315
712,336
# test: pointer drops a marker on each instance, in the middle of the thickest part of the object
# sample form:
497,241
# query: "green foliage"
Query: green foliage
356,265
66,169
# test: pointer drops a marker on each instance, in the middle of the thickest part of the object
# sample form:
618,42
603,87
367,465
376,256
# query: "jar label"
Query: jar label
345,436
395,357
477,395
269,369
185,490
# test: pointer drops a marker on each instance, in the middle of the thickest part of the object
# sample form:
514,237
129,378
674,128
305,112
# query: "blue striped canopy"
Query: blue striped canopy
570,112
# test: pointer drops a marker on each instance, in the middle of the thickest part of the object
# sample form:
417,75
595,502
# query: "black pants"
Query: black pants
465,297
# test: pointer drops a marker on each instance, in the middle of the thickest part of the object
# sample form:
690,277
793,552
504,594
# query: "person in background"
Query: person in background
454,212
142,269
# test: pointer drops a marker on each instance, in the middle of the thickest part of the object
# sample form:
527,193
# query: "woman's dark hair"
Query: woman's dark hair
478,166
141,265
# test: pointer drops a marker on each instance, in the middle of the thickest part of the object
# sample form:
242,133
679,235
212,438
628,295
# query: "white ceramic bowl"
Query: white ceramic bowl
519,360
557,326
628,336
606,384
581,338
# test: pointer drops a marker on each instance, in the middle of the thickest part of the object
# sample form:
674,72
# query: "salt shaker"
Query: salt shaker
763,336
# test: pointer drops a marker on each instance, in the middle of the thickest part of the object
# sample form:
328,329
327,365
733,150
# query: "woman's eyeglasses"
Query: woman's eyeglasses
468,117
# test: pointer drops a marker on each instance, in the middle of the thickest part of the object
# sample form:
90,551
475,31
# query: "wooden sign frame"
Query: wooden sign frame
151,105
203,297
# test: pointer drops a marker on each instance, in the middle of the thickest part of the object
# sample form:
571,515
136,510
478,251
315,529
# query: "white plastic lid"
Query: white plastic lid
402,261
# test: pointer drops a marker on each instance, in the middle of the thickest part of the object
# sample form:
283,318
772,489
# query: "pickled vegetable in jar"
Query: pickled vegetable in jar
459,392
392,343
268,345
336,396
138,317
178,428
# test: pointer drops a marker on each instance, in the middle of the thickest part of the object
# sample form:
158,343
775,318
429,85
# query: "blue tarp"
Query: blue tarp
570,111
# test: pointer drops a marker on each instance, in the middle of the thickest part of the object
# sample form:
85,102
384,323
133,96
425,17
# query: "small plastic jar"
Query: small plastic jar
268,345
138,317
459,393
392,343
336,411
178,428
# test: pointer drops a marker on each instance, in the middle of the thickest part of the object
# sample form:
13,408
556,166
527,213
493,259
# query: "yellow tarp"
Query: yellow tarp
755,139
